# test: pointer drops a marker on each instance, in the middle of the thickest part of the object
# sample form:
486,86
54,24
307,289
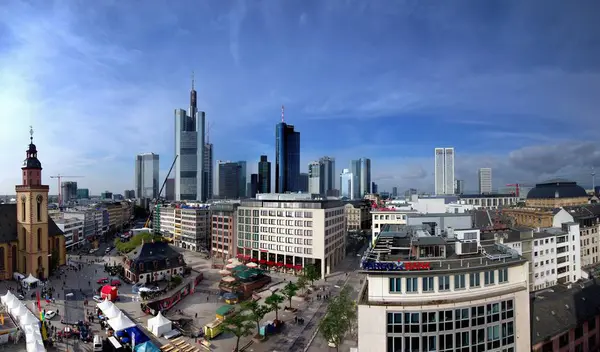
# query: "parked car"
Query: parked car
50,314
93,250
103,280
115,282
97,299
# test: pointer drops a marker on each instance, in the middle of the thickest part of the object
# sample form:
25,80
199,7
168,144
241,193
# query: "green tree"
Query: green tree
339,319
311,273
290,291
274,301
256,312
239,325
302,283
135,241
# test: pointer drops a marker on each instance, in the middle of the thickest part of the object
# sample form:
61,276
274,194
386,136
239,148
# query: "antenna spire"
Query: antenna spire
193,80
282,113
593,179
31,134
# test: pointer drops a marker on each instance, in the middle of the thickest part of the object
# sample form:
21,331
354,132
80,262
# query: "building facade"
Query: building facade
588,218
264,175
485,180
287,159
252,189
229,180
365,177
328,174
68,191
189,146
316,180
170,189
208,171
189,227
426,293
358,215
83,193
444,171
223,230
459,187
72,229
348,185
489,201
146,175
293,229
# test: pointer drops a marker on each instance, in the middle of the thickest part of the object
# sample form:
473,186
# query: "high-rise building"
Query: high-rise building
347,184
394,192
252,186
170,189
287,158
129,194
355,170
374,188
69,190
229,179
106,195
264,175
444,171
328,174
459,186
365,177
208,171
316,177
303,182
189,145
83,193
485,180
242,182
146,175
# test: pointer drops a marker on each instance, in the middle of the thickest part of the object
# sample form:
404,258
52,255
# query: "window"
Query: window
474,279
578,331
428,284
461,318
563,340
23,209
2,267
459,281
489,277
502,275
39,209
508,333
444,283
412,285
395,285
39,239
493,337
591,324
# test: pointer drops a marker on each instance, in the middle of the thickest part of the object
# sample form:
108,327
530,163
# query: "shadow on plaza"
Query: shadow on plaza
74,304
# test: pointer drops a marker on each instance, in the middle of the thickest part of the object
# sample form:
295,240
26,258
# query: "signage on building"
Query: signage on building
396,266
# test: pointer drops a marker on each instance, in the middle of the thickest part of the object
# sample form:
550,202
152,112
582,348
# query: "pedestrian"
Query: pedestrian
196,316
207,298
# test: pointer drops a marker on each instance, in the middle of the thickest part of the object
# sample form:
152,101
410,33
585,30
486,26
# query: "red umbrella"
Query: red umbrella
262,261
298,267
289,266
279,264
270,263
254,260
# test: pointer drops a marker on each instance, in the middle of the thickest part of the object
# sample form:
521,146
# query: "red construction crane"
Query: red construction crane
59,177
518,187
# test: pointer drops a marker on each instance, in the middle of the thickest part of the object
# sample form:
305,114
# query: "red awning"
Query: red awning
279,264
270,263
289,266
298,267
254,260
262,261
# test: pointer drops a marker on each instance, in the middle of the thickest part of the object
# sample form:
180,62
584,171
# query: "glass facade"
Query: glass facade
287,158
146,176
264,175
477,328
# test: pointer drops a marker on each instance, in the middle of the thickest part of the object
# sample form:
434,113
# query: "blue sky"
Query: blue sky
512,85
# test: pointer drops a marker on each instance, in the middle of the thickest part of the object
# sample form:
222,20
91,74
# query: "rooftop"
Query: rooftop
495,195
589,211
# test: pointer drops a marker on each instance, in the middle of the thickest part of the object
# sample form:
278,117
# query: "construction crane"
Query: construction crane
59,177
518,187
159,192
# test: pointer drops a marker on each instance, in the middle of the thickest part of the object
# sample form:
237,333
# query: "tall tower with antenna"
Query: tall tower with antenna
208,165
593,179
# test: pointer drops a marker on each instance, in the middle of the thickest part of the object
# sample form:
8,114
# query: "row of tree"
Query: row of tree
341,318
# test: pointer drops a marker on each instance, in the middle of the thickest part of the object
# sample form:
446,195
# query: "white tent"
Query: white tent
9,300
13,304
35,346
30,280
6,297
18,311
121,322
111,312
28,319
159,325
104,305
32,333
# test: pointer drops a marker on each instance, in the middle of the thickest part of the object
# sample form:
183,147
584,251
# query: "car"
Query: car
97,299
108,250
93,250
115,282
103,280
50,314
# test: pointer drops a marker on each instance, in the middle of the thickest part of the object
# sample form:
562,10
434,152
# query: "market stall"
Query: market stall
159,325
30,281
121,322
109,292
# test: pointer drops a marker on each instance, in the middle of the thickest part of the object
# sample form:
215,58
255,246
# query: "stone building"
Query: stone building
30,241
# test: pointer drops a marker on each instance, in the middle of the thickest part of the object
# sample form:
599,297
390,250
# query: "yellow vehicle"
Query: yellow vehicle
213,329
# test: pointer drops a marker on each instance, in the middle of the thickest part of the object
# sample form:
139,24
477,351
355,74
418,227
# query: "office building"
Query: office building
328,174
252,186
459,187
365,177
287,158
106,195
189,146
485,180
588,218
188,227
444,171
129,194
68,191
303,182
146,175
229,179
170,189
83,193
430,293
394,192
223,230
264,175
73,231
208,171
316,177
348,185
242,181
375,189
292,229
358,214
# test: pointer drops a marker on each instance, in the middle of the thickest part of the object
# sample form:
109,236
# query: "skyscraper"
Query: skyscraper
394,192
328,175
316,177
189,145
365,177
146,175
459,186
252,186
264,175
242,191
69,191
347,184
355,170
208,187
444,171
303,182
229,180
485,180
287,157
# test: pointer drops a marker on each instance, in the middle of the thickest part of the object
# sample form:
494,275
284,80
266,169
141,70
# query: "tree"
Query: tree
274,301
302,283
239,325
311,273
289,291
257,312
339,319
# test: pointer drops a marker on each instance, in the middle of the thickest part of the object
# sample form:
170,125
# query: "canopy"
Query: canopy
30,280
10,299
111,312
19,310
230,266
252,265
6,297
228,279
121,322
28,319
14,303
104,305
36,346
136,334
146,347
224,272
32,333
159,325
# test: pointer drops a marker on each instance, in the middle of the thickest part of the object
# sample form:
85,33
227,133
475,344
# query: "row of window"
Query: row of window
442,282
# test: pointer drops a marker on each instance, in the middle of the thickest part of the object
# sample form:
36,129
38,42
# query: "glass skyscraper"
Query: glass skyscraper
287,159
264,175
146,176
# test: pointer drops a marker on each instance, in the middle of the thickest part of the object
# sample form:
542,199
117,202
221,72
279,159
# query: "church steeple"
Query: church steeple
32,168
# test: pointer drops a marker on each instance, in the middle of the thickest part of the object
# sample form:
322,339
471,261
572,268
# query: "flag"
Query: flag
39,303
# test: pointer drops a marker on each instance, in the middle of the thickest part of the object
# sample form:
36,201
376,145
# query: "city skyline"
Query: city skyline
504,100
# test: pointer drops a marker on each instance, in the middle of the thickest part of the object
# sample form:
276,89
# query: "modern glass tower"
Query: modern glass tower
264,175
444,171
189,145
208,187
287,158
347,184
329,174
146,176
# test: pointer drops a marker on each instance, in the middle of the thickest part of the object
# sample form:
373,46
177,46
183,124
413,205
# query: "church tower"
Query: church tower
32,218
